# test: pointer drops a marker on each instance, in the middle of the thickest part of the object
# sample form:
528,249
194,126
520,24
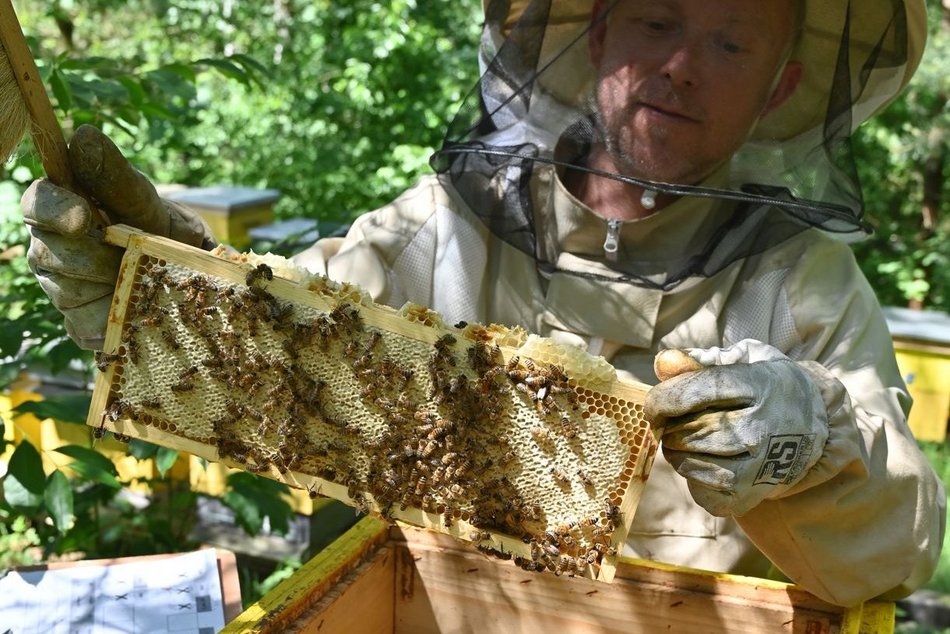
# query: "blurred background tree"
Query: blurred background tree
903,164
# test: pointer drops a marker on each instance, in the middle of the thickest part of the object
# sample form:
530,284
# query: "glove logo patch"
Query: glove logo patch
785,458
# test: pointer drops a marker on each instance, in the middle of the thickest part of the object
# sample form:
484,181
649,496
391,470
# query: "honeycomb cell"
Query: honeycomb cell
322,392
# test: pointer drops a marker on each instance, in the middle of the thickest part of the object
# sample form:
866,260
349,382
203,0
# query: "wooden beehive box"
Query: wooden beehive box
512,442
376,579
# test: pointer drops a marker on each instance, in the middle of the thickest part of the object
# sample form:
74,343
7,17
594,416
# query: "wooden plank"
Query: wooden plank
362,603
298,593
441,587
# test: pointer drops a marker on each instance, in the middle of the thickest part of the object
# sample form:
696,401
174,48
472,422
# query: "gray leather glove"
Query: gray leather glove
76,270
745,428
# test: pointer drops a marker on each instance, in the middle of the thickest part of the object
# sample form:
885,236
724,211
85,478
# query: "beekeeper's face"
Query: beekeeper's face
681,83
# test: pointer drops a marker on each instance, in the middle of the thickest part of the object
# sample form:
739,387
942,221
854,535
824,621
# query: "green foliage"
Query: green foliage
906,260
254,584
253,499
939,456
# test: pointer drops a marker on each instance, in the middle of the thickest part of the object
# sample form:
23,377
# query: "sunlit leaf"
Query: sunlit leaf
61,90
165,459
59,500
25,481
70,408
91,465
141,449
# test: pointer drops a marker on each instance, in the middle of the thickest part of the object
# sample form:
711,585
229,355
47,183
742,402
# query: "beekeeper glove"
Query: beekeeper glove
744,428
77,271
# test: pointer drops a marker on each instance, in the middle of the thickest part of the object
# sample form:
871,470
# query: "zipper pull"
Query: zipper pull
612,243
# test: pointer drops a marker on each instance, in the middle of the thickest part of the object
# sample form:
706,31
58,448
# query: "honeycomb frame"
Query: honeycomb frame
531,450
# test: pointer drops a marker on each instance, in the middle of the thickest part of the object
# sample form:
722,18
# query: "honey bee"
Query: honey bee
348,317
361,503
258,273
430,447
462,469
447,518
600,533
154,320
458,383
104,360
605,549
279,311
481,357
119,408
122,438
560,475
567,564
169,337
183,385
444,344
567,426
532,511
540,435
190,372
613,513
132,349
420,486
592,556
152,403
584,478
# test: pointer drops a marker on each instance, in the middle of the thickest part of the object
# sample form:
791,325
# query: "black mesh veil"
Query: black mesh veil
536,106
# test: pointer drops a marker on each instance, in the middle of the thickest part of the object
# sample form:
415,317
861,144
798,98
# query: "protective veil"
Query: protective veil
535,104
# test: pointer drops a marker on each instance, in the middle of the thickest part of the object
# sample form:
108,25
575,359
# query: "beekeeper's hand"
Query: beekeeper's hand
78,271
744,427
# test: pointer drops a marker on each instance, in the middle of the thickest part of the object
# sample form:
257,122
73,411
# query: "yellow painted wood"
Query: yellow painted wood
233,227
48,434
275,611
926,371
878,617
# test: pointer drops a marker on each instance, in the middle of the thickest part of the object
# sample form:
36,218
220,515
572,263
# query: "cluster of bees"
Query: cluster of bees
326,395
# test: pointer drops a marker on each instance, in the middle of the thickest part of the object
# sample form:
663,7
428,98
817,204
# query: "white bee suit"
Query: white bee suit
871,503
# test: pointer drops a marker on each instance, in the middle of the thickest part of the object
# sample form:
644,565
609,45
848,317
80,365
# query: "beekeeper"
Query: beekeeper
636,175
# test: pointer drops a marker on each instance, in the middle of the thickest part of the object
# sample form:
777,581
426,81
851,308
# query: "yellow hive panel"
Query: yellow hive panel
530,449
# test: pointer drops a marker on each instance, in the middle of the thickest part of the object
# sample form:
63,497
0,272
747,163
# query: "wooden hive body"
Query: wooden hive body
404,580
531,450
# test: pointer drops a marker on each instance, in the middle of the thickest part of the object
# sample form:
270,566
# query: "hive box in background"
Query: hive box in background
922,345
230,211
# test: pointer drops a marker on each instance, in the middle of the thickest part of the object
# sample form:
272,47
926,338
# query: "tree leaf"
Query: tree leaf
165,459
266,498
142,449
70,408
61,90
25,481
246,512
59,501
91,465
11,336
226,68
